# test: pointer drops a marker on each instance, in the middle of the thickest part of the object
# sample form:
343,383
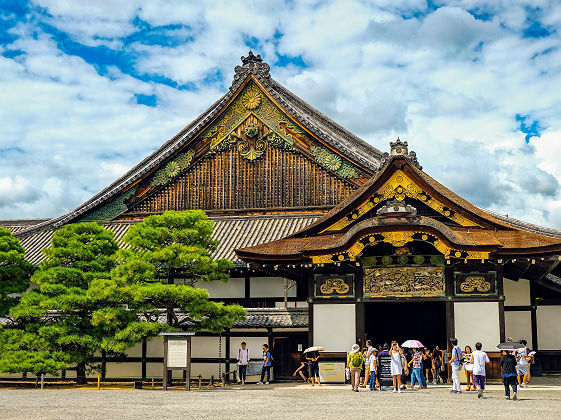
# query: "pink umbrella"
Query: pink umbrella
412,344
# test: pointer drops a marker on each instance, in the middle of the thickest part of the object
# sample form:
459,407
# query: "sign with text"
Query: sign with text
177,353
385,371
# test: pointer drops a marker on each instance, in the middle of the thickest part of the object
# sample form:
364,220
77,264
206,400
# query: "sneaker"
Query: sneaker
267,383
399,390
259,383
514,397
395,390
508,397
453,391
458,392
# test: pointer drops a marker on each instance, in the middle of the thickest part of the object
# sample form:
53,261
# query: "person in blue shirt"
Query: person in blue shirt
266,365
455,364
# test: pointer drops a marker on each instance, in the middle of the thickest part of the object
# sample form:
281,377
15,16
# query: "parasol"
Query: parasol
317,348
412,344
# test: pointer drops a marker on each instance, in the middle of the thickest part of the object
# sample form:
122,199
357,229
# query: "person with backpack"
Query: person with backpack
267,363
243,361
313,358
455,364
354,364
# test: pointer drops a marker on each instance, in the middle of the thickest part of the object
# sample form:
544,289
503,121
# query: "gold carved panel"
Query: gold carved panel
403,282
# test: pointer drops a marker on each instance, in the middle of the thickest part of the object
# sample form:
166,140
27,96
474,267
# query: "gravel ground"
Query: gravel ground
278,401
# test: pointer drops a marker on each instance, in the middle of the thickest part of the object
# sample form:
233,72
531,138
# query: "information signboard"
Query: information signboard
177,353
385,370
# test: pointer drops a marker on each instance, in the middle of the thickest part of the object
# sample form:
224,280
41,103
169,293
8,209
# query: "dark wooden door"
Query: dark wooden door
287,353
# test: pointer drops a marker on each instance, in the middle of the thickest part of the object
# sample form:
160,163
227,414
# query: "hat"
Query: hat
355,348
385,347
374,350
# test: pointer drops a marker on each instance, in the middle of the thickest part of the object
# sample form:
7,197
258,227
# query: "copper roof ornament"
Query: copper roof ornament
400,148
252,64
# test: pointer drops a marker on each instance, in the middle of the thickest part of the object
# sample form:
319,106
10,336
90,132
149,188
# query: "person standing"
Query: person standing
313,358
479,358
522,367
427,364
455,364
436,365
468,366
509,374
396,367
373,368
243,361
354,364
417,374
367,357
266,365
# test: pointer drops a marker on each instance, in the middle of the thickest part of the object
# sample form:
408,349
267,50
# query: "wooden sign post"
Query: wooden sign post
177,355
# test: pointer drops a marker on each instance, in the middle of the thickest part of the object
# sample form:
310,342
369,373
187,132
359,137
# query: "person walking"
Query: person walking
468,366
427,364
455,364
479,358
354,364
243,361
523,368
367,357
509,374
266,369
373,368
436,364
396,366
313,358
416,375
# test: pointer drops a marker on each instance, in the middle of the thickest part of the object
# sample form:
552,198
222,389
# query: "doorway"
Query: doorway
287,351
400,321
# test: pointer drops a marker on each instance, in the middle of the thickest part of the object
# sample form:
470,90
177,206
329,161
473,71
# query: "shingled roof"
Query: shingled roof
253,67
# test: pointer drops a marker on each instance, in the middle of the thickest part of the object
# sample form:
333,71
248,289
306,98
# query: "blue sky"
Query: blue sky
88,89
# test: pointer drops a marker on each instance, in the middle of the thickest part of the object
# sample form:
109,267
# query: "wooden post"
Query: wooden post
188,366
42,380
200,381
165,377
98,381
152,383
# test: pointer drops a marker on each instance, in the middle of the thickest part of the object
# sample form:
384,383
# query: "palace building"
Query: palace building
333,241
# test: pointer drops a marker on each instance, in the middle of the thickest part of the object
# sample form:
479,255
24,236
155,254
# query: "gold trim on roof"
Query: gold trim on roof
398,187
397,239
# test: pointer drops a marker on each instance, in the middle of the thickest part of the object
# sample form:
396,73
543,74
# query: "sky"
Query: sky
90,88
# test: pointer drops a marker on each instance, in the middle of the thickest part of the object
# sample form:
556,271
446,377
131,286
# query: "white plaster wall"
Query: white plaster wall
134,351
334,326
206,347
233,288
155,347
517,293
254,344
549,327
477,321
270,287
518,325
123,370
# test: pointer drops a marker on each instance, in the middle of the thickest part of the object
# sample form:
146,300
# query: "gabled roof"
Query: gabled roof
368,217
253,68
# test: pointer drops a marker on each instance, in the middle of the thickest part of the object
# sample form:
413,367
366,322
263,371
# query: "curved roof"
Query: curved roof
253,67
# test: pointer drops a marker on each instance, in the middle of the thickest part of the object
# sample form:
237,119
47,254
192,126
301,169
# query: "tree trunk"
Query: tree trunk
81,374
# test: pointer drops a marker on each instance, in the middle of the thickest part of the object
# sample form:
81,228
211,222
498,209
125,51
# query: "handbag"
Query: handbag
347,374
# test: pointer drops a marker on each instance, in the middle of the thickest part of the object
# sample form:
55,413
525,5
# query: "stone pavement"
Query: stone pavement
542,400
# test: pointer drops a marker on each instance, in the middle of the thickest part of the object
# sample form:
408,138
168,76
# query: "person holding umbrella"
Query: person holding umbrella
417,361
312,355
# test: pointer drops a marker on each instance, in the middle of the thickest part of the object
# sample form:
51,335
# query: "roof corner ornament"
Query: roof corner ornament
396,208
252,64
400,148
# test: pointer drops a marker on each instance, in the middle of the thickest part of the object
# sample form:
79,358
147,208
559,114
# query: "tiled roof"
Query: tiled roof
324,128
232,232
275,317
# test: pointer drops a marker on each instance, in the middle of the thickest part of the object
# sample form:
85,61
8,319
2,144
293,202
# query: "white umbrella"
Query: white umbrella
412,344
317,348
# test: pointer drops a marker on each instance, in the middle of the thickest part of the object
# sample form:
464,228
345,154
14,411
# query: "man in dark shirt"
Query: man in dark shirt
508,367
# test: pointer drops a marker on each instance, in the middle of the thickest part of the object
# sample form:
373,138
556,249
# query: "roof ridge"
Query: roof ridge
520,224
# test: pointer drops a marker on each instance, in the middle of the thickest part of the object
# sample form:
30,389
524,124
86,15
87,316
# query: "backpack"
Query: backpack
355,360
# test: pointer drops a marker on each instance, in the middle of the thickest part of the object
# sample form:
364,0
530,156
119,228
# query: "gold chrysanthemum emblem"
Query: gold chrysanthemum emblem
251,99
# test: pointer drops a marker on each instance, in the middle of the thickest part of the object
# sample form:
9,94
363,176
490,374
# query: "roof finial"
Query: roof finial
399,149
252,64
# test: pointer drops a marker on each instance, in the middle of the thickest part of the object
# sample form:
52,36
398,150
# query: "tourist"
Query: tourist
367,357
522,366
427,364
396,366
313,358
405,370
469,368
479,358
436,364
304,366
243,361
373,368
354,364
509,374
417,373
455,364
384,351
529,360
266,368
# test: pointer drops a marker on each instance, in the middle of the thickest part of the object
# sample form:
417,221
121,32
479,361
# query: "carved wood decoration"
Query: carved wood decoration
403,282
253,156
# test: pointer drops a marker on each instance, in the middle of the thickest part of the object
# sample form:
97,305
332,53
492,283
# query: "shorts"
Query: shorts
479,380
314,370
522,369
